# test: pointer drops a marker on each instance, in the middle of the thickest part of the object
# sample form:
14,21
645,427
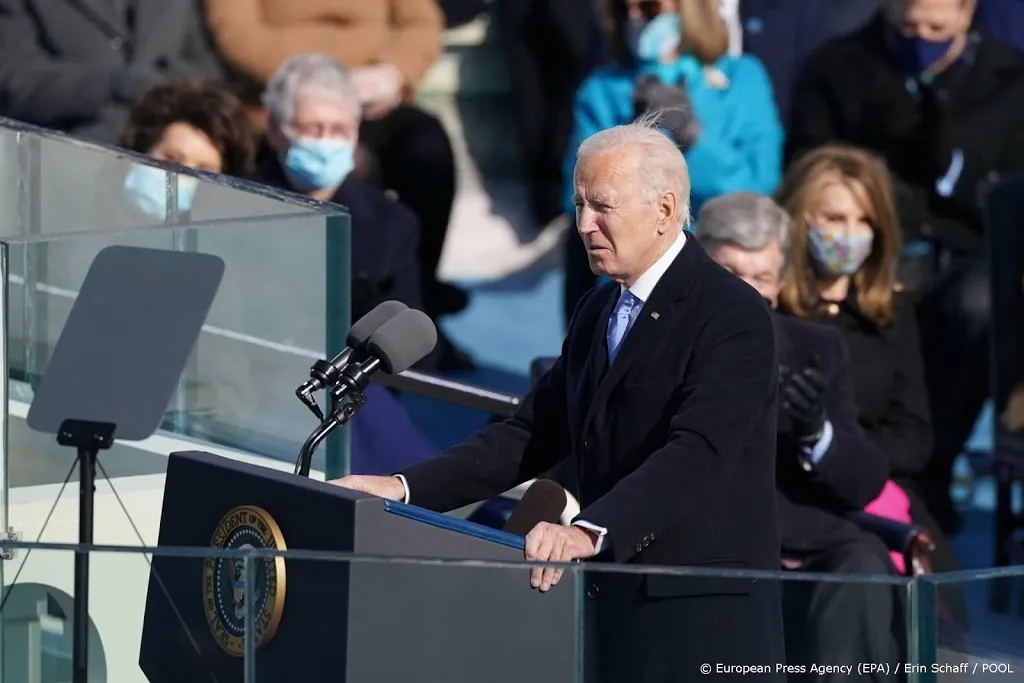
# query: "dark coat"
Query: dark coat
674,451
384,236
78,66
852,91
812,503
782,33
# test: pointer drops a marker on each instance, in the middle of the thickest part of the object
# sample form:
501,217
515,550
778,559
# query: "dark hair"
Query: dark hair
204,105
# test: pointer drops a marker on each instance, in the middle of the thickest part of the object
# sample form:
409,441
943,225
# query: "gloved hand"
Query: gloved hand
803,399
677,115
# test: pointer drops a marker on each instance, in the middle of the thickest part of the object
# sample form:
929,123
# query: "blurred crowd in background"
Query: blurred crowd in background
874,124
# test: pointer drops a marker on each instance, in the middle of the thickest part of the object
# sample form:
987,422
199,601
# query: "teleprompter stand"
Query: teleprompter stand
114,369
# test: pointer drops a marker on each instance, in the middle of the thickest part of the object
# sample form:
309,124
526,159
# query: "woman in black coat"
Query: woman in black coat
842,272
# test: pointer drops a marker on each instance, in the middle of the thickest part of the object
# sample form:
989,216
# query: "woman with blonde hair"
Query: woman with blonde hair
845,250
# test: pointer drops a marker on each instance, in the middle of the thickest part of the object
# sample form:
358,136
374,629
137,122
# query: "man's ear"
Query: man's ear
668,211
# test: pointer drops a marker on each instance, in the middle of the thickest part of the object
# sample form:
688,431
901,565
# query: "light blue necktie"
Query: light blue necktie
621,320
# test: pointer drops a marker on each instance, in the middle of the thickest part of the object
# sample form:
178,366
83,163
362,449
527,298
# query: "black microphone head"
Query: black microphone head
402,341
364,328
544,501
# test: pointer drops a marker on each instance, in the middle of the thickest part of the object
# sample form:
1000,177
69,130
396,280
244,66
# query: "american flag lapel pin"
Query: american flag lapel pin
655,315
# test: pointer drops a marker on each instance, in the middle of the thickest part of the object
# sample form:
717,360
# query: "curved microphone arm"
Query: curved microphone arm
346,398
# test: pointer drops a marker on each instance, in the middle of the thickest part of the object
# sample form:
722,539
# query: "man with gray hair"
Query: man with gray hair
313,123
664,400
827,467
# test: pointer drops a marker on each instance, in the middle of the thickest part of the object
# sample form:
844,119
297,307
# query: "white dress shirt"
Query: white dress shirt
641,290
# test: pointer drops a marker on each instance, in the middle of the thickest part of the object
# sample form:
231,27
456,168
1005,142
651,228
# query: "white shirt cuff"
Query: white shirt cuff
814,454
600,531
405,485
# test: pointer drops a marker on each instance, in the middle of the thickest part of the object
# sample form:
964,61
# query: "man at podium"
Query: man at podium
664,399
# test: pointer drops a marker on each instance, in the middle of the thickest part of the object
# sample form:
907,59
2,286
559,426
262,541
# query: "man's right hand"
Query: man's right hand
382,487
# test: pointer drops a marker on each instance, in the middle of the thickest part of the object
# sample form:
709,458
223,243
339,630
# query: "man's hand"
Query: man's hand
548,542
383,487
803,398
379,87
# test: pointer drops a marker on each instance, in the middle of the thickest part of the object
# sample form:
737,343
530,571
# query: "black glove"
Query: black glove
673,102
803,399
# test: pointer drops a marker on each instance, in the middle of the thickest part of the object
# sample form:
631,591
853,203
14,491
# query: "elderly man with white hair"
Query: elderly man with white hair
664,400
313,118
827,467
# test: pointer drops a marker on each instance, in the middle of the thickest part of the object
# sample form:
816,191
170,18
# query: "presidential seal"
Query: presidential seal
224,582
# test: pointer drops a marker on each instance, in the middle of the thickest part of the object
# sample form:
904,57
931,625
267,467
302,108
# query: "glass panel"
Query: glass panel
271,318
283,301
989,643
57,186
373,620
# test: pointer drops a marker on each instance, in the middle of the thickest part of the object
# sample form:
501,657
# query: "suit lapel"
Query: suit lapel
599,343
655,319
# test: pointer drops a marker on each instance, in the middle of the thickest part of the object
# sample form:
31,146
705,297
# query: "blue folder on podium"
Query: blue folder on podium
379,621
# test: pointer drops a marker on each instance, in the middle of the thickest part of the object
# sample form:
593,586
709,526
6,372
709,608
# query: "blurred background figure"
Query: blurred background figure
388,45
826,466
77,66
195,123
782,33
940,103
550,46
673,55
313,129
846,244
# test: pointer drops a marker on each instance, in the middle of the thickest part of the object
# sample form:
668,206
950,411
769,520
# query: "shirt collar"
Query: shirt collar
645,284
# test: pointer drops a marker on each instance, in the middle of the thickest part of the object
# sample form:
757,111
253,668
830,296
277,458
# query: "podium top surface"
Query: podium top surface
272,489
455,524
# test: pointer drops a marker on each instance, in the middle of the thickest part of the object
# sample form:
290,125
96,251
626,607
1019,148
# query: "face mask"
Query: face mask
917,55
146,187
837,254
650,40
319,163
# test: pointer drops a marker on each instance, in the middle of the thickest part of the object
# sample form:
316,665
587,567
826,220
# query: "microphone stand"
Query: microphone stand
346,398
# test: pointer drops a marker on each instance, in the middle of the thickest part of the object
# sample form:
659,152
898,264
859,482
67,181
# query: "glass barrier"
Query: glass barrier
173,614
973,638
283,301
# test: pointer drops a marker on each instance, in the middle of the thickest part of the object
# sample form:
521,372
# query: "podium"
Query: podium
345,621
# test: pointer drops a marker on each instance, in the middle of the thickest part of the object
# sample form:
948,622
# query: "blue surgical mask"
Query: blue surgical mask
316,164
649,41
916,55
146,187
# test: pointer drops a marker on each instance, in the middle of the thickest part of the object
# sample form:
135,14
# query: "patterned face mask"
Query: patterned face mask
838,254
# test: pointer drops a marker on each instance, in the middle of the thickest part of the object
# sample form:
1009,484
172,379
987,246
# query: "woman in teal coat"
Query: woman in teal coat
674,55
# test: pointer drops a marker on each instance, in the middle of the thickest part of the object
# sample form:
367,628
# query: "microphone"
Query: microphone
544,501
326,373
399,344
394,347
